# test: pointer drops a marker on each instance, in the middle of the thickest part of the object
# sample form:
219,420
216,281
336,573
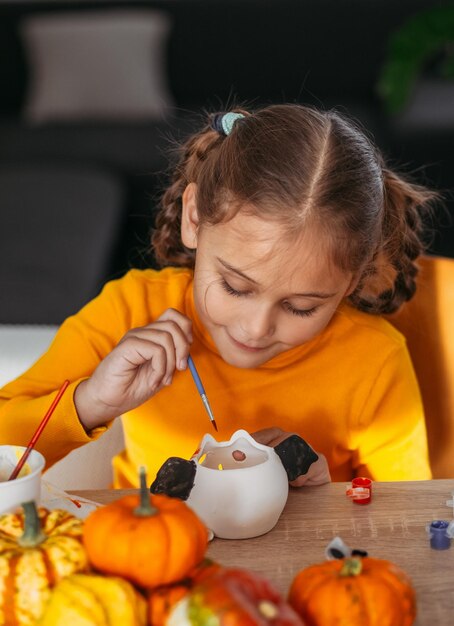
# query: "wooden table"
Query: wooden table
392,526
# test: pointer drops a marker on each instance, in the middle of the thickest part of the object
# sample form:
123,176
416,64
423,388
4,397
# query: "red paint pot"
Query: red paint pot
361,490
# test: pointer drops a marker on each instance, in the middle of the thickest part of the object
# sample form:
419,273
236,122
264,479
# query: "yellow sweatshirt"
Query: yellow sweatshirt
351,392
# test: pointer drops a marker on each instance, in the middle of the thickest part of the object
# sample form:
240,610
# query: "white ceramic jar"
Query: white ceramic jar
238,499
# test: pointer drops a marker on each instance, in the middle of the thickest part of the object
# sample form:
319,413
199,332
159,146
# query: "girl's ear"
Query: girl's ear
189,217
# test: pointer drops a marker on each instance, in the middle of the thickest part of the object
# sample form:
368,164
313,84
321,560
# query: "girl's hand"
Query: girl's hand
142,363
318,472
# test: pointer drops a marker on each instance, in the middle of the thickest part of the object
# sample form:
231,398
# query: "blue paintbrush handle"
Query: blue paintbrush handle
195,376
201,390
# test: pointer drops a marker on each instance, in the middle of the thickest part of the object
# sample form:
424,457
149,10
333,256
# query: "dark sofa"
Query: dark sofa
322,52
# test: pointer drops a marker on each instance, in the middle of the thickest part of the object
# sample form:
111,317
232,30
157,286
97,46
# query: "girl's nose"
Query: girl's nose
257,324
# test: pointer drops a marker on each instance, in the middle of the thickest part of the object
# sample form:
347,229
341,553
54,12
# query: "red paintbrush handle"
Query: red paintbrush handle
38,432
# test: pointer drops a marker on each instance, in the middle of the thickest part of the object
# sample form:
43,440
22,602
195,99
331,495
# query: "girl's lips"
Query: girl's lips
243,346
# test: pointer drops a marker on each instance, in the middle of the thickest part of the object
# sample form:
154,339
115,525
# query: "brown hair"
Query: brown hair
297,165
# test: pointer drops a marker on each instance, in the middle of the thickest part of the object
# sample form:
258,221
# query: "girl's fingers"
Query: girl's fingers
153,345
270,436
139,351
318,474
180,328
143,362
166,333
133,372
183,322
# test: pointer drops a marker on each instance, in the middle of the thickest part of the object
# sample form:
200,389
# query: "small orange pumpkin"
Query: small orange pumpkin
354,591
150,540
233,597
162,599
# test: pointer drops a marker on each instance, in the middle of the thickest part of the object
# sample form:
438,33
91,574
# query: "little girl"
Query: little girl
285,238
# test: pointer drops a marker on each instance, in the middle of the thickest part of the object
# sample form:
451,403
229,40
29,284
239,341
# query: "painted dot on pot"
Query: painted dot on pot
238,455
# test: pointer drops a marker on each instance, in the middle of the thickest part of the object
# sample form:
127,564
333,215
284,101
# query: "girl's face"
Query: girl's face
257,294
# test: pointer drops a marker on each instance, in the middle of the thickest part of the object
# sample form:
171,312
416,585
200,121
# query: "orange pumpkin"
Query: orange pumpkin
354,591
233,597
150,540
37,549
162,599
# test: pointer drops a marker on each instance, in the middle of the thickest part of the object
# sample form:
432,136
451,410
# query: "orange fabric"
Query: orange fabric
427,322
350,392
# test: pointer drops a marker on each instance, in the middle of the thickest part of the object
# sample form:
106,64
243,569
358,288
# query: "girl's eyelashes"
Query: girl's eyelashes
229,289
287,306
300,312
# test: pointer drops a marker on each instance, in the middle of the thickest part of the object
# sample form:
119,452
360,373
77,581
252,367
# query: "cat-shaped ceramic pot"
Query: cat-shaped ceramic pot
237,487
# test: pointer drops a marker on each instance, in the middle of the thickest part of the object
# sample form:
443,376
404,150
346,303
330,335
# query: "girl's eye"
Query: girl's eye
287,306
229,289
300,312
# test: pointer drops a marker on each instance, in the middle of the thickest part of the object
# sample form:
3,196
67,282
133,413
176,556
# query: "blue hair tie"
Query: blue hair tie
223,122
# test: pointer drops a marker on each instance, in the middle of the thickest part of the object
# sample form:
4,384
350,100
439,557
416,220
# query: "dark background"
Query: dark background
77,198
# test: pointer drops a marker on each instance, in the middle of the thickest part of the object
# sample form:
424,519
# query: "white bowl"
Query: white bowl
27,486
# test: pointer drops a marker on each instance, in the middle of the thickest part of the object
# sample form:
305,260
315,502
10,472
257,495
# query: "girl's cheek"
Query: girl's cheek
218,305
294,335
299,330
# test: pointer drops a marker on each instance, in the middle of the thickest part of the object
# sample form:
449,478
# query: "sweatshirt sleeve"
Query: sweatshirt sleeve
390,440
81,342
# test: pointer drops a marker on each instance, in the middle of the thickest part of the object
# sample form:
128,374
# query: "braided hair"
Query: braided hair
302,167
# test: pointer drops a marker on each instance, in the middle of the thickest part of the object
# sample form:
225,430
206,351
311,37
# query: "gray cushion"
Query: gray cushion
107,64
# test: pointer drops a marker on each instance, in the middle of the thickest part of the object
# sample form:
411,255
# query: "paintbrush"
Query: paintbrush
201,390
38,432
